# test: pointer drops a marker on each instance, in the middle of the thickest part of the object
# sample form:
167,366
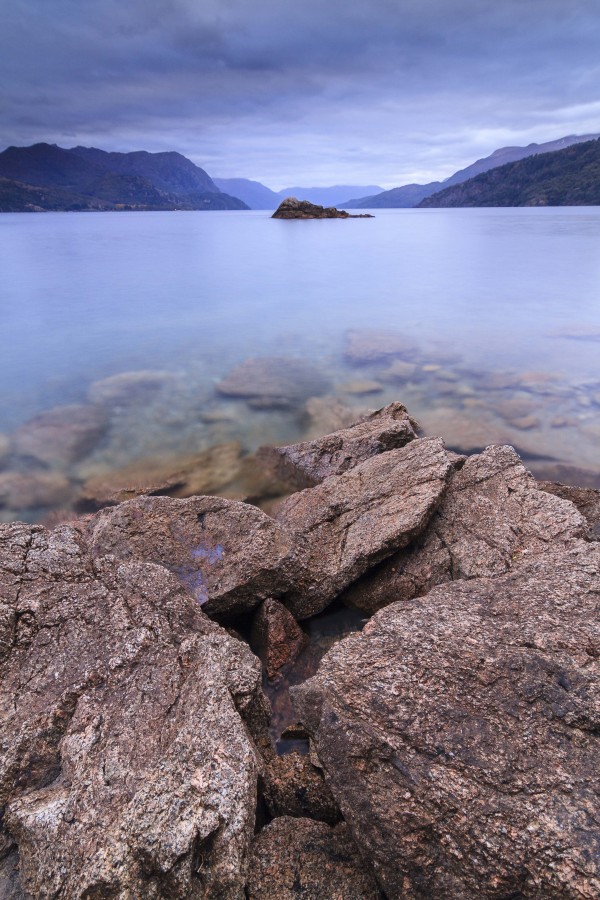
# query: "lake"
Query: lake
484,322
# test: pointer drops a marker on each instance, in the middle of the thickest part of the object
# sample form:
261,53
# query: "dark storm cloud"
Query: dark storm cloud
294,91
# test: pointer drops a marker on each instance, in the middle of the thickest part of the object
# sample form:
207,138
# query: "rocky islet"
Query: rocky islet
452,744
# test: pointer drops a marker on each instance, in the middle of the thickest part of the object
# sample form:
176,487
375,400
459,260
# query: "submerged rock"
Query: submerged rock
228,555
367,345
492,516
33,489
130,388
327,414
5,447
291,208
127,766
310,463
459,734
62,435
354,520
300,857
274,382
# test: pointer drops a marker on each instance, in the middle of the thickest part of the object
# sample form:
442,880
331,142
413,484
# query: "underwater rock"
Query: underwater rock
328,414
62,435
274,382
130,388
5,447
367,345
33,489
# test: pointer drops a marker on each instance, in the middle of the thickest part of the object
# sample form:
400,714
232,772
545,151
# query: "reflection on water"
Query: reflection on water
127,338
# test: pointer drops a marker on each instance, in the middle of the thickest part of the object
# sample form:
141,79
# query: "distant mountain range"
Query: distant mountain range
48,177
569,177
412,194
258,196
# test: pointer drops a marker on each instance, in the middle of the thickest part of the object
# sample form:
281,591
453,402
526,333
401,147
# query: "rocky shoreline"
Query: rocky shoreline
449,749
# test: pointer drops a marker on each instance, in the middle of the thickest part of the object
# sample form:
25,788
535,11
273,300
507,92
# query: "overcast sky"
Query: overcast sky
302,92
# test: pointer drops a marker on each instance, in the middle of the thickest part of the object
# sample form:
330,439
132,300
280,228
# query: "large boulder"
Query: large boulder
301,858
492,515
229,555
460,734
279,382
127,763
354,520
311,462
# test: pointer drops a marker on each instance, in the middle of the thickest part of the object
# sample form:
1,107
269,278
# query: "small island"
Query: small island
291,208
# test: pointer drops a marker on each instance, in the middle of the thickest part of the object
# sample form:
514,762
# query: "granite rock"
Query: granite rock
587,501
276,637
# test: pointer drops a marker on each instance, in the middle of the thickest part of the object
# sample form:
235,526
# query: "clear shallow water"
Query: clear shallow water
501,291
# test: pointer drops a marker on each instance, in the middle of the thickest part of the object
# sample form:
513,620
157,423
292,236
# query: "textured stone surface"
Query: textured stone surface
229,555
309,463
274,382
179,476
61,435
300,858
587,501
367,345
460,734
295,787
127,767
276,637
492,515
352,521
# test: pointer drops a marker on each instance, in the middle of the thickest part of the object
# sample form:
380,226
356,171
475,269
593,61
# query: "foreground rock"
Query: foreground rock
127,767
299,857
228,555
279,382
492,515
290,208
62,435
352,521
460,734
587,501
309,463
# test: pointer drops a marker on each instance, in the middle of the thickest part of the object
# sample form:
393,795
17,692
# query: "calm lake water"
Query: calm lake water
502,307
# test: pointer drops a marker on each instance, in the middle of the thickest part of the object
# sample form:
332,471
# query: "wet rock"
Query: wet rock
30,490
299,857
130,388
587,500
311,462
180,476
352,521
291,208
294,787
279,382
229,555
491,517
327,414
127,766
459,734
62,435
367,345
276,637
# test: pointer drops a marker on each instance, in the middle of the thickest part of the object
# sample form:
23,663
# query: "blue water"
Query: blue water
86,295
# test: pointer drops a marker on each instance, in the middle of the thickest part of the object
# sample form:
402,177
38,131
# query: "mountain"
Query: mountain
412,194
48,177
328,196
253,193
569,177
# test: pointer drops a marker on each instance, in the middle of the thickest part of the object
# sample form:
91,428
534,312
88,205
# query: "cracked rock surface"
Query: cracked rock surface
354,520
492,515
460,734
127,765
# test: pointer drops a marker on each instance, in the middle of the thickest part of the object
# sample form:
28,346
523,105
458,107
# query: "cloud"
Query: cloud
387,90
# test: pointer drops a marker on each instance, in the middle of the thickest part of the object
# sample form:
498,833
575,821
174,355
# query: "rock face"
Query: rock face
280,382
354,520
61,435
127,768
276,637
299,857
310,463
492,515
290,208
459,734
228,555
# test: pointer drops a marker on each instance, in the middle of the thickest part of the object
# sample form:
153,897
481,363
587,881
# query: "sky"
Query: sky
301,92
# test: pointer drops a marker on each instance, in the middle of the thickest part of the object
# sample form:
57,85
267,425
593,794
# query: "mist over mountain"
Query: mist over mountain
410,195
567,177
48,177
253,193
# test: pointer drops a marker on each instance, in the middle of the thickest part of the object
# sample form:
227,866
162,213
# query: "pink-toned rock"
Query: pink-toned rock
276,637
62,435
